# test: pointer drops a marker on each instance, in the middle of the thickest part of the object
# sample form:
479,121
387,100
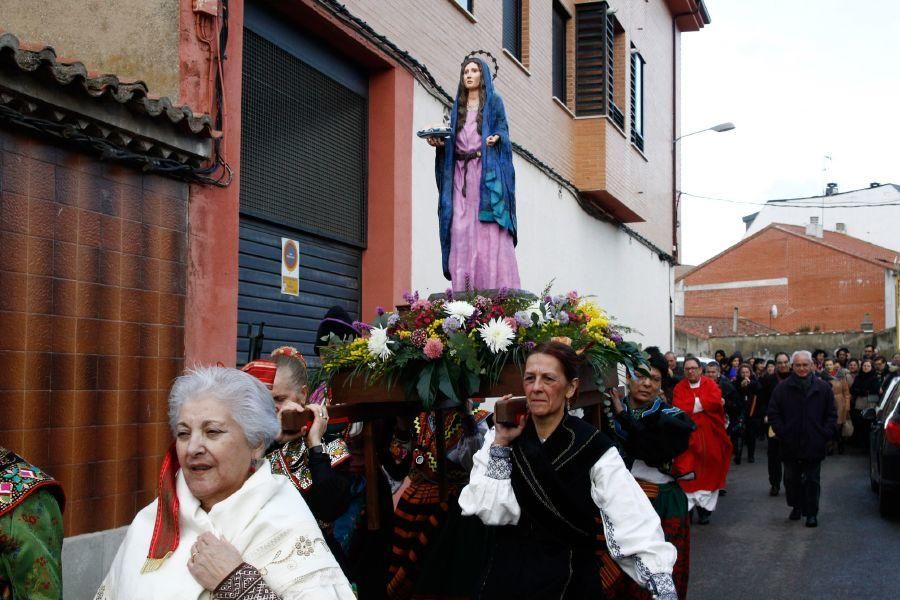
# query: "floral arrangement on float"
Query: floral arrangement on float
459,343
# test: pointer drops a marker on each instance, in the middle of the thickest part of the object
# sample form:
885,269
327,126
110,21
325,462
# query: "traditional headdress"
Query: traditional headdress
262,369
475,53
289,352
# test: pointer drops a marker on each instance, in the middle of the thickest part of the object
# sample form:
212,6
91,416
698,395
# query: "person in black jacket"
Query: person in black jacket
767,386
747,388
863,394
804,418
734,409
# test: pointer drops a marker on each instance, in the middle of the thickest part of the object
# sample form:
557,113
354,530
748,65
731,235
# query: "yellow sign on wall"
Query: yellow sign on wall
290,267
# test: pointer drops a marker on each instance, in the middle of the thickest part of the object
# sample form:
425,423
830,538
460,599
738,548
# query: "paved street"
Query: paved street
752,550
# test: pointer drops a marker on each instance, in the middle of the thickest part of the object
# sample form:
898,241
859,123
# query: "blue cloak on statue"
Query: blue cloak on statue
498,180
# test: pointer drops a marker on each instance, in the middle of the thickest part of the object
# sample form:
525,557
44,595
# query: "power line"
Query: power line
798,203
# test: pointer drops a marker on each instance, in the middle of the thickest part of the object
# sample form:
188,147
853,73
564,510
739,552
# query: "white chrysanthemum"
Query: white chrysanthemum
460,309
497,335
535,309
379,343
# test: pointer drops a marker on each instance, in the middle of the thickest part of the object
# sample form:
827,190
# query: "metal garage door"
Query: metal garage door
304,141
329,275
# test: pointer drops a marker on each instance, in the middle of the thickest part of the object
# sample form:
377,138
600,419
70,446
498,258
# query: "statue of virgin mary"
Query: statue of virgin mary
476,186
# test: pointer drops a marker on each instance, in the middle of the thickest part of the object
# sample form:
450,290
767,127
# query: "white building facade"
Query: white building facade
871,214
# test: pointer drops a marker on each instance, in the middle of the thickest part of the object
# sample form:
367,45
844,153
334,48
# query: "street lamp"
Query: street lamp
728,126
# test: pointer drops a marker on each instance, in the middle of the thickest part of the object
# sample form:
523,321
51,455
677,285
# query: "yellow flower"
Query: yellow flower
591,310
433,328
405,335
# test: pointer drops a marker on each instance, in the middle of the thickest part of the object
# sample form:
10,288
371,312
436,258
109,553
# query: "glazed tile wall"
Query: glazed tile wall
92,289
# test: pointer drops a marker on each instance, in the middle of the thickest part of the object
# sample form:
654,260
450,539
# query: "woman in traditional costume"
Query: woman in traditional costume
709,455
560,484
434,546
309,460
223,525
650,433
31,530
476,186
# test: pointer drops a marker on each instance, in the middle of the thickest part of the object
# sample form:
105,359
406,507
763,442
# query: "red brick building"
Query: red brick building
827,281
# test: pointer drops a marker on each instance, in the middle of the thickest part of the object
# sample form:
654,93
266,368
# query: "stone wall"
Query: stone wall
767,345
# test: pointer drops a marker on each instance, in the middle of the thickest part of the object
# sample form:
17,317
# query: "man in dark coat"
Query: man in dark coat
804,418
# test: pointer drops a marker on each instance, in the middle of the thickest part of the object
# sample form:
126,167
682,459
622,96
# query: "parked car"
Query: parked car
884,449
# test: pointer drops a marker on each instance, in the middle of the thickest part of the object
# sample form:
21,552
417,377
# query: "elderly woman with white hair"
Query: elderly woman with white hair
223,525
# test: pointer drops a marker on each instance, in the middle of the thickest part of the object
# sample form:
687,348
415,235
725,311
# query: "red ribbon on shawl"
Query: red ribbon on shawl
165,531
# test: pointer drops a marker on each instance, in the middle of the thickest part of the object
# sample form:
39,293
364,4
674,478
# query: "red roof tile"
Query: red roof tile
883,257
37,59
847,244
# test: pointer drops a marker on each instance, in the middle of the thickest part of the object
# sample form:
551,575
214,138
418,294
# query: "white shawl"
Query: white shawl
266,520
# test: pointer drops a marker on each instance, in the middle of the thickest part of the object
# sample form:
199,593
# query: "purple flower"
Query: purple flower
451,325
523,318
529,346
361,327
393,320
616,338
563,317
548,299
503,294
379,310
410,297
449,294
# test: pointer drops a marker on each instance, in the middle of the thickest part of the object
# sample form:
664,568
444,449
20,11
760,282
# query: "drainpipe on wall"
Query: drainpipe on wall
734,321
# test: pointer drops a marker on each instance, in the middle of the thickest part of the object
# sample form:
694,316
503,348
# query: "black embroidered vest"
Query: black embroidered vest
550,553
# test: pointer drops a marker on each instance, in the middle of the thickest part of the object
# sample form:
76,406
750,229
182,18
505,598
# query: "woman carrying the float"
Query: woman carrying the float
476,186
561,484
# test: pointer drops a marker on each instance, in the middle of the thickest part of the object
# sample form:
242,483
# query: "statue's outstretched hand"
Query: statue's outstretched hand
492,139
435,141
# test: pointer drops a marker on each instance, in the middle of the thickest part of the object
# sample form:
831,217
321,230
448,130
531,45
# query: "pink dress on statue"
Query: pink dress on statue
481,252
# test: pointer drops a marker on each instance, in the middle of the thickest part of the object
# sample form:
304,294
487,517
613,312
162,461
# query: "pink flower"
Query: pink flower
511,321
433,348
572,295
420,305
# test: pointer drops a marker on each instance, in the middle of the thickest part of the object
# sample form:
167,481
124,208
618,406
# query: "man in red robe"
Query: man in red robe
709,453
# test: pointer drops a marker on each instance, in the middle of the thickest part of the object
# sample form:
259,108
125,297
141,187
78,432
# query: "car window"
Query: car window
891,397
889,401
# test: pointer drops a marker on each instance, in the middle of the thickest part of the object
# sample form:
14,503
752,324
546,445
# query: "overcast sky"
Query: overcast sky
800,79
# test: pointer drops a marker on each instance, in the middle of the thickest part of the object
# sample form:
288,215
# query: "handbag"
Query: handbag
872,400
847,429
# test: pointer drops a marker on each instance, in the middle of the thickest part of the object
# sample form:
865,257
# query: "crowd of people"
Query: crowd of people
805,406
547,507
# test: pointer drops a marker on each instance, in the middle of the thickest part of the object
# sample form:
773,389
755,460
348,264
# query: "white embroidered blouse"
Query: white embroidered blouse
634,534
